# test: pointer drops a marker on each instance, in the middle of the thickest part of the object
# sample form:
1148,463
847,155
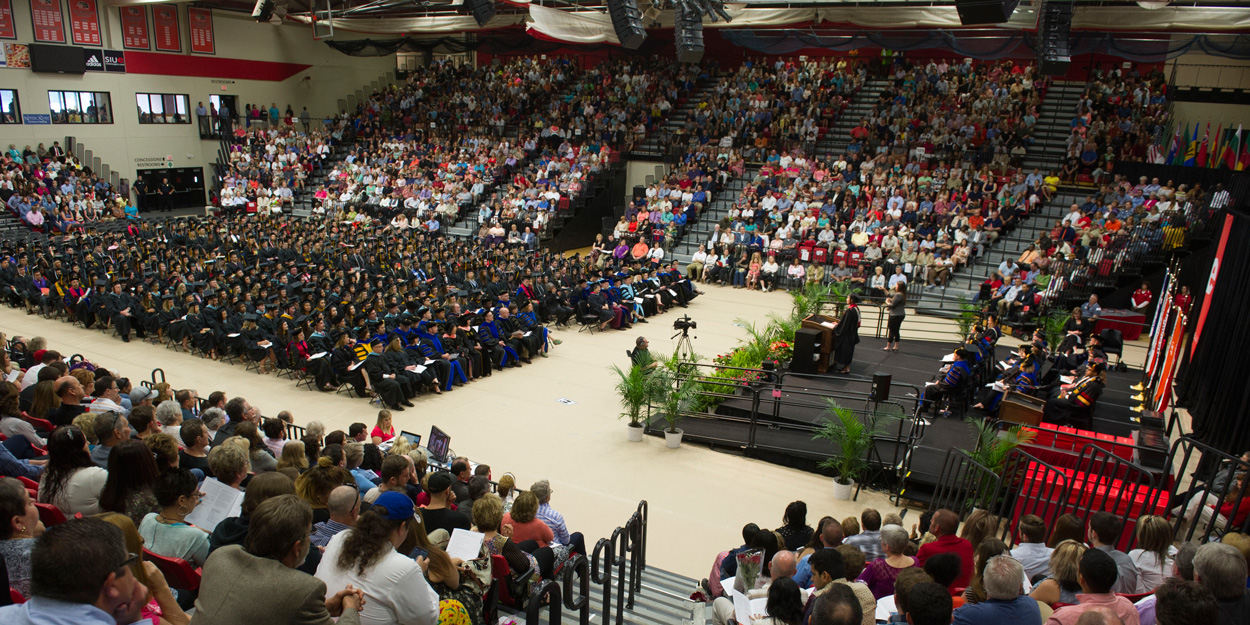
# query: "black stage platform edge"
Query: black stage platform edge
787,441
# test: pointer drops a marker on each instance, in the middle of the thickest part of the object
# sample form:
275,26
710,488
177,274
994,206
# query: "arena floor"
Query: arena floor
699,499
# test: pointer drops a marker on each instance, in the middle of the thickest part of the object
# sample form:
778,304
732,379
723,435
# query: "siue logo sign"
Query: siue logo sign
115,61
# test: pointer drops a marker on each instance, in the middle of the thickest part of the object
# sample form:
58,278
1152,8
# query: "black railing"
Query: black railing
608,562
1203,463
965,484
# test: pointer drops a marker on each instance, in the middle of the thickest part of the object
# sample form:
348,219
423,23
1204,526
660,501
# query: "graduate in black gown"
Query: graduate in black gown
846,336
381,379
1073,404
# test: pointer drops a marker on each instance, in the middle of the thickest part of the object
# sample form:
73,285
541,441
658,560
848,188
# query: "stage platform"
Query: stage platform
786,419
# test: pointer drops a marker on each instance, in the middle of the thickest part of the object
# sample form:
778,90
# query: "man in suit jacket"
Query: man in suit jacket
258,583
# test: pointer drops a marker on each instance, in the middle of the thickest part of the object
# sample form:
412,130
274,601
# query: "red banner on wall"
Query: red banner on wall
7,29
84,22
201,26
165,28
1212,281
135,28
45,16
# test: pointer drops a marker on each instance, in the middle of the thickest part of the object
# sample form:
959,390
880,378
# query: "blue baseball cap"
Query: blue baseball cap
394,506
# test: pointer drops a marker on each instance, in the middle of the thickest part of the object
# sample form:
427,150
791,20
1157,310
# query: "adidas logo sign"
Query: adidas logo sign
93,61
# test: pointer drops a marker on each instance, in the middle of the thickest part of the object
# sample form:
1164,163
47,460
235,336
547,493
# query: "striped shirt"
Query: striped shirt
555,521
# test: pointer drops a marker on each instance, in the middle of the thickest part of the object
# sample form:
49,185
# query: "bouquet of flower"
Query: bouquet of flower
750,563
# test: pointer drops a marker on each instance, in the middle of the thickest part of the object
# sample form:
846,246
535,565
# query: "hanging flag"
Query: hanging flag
1243,159
1175,149
1191,147
1202,149
1214,155
1154,154
1232,150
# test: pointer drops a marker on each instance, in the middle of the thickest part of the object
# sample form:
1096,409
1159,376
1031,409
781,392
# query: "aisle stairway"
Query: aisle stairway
663,600
1051,133
659,145
839,136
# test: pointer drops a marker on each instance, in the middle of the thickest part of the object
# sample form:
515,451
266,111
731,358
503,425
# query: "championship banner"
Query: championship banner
165,28
8,30
135,34
84,22
201,27
1163,391
1215,274
45,16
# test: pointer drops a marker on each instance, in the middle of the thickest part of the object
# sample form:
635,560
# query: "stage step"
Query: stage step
663,600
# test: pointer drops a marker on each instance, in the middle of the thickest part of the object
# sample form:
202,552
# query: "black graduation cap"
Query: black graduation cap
167,296
101,282
310,291
301,319
250,317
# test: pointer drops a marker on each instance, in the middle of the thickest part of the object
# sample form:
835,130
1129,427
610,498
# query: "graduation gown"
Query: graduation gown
846,337
391,390
319,368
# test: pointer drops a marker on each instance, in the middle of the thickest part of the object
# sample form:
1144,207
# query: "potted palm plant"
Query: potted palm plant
674,399
636,388
851,438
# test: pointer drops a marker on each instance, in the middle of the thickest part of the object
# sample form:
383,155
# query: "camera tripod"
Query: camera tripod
685,348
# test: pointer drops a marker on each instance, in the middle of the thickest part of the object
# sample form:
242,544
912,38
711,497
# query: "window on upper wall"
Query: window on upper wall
10,111
80,107
162,108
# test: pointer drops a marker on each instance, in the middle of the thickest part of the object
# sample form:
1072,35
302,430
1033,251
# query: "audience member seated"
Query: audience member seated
869,539
80,572
72,482
19,527
524,567
131,483
880,575
1030,547
364,557
1063,582
257,582
989,548
1221,569
1097,574
1152,558
344,509
1182,601
439,514
555,520
944,526
1182,570
1104,532
830,537
1000,581
167,532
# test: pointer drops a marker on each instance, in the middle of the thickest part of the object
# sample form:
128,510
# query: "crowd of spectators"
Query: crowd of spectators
1120,115
356,520
871,569
51,191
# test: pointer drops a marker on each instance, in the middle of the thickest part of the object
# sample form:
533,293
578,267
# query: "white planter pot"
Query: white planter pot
673,439
635,433
843,491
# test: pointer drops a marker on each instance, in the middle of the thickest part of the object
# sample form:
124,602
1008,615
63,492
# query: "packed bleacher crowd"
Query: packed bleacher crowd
981,571
51,191
923,188
1120,115
1109,232
352,524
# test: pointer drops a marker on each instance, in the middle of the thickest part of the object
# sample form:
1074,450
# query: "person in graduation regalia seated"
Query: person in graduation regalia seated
461,337
302,360
445,363
1021,375
501,353
526,346
346,363
409,366
383,380
1074,403
124,312
1075,360
953,377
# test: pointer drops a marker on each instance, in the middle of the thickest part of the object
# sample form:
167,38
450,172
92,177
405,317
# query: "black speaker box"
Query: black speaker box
881,387
985,11
627,22
483,10
804,360
689,36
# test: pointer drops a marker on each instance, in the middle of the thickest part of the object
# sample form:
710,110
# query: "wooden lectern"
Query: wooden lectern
817,323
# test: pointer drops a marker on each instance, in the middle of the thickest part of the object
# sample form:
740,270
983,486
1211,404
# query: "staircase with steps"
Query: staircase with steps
662,600
658,145
966,283
1051,132
832,143
839,136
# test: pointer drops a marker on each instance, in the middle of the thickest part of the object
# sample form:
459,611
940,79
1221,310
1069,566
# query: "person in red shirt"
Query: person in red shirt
1141,298
945,525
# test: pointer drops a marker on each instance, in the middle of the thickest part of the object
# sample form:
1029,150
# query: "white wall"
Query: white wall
636,173
323,88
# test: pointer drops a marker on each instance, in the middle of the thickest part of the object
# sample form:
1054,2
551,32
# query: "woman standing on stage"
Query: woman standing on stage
898,310
846,335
